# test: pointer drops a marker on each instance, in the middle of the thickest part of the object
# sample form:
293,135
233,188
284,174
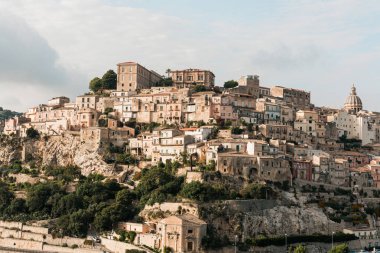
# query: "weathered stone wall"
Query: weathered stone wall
116,246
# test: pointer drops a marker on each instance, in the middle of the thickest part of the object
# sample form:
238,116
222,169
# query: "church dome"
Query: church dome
353,102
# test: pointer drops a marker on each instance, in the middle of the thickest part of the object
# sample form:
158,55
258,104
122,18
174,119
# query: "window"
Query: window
189,231
189,246
179,78
200,77
189,78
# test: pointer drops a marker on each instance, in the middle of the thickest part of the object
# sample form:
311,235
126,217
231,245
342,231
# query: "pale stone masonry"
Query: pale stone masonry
190,77
132,76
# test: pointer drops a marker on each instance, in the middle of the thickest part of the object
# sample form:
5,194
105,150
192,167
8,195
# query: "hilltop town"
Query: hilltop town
182,164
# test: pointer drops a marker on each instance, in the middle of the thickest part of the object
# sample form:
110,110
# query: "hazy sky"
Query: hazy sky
54,47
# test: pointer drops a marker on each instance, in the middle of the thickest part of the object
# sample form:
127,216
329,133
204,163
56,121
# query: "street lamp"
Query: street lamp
236,237
332,240
286,243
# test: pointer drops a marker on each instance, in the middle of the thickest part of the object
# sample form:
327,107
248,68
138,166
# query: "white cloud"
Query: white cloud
305,45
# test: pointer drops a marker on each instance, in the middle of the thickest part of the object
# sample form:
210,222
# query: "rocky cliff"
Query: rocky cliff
248,218
63,150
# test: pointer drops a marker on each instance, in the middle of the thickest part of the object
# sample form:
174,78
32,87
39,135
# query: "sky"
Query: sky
55,47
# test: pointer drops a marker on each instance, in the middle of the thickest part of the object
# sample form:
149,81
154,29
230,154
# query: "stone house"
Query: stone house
131,76
87,101
299,98
169,144
275,131
271,110
191,77
142,145
182,233
302,168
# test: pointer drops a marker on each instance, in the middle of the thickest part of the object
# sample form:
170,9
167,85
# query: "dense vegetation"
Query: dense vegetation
107,82
6,114
99,204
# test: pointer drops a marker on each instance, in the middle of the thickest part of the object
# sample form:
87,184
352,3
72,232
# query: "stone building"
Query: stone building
302,168
299,98
276,131
132,76
271,109
182,233
169,144
87,101
355,123
248,85
353,102
191,77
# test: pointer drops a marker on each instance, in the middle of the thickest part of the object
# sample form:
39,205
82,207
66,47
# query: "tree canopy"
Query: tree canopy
96,84
230,84
107,82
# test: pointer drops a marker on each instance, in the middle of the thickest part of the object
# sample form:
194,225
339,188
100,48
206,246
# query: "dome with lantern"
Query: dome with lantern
353,102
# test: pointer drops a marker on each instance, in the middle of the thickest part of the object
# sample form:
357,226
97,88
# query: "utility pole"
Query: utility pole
286,243
332,240
235,242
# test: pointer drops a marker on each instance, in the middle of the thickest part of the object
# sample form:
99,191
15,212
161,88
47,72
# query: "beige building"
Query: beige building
87,101
299,98
131,76
182,233
191,77
169,144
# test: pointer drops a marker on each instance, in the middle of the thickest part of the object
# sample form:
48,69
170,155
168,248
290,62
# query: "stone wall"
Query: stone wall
34,229
116,246
11,224
20,244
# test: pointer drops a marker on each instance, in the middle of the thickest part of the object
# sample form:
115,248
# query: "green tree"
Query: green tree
67,204
32,133
41,197
300,249
230,84
17,206
204,191
75,224
96,84
109,80
256,191
341,248
199,88
6,196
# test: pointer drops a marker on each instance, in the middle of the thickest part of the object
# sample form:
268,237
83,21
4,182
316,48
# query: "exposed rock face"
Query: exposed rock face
248,218
291,220
58,151
10,150
163,210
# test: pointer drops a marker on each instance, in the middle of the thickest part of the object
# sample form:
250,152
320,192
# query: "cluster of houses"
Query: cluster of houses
248,131
281,134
